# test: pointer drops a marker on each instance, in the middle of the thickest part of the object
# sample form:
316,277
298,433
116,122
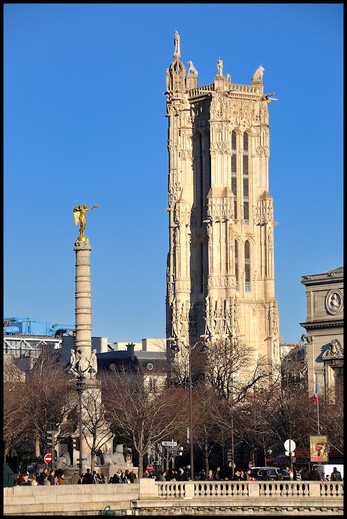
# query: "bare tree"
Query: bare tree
96,430
14,421
46,396
146,418
206,430
232,370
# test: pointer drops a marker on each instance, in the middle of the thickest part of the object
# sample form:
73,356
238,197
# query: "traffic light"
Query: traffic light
50,438
76,444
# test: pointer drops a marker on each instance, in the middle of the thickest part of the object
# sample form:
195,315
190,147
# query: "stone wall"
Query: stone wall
149,497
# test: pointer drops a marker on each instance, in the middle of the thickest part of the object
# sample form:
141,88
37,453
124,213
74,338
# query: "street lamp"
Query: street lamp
80,386
190,348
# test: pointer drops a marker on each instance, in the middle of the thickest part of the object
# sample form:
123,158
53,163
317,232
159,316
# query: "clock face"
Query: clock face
334,301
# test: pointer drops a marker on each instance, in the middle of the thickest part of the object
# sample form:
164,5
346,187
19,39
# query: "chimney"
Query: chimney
131,349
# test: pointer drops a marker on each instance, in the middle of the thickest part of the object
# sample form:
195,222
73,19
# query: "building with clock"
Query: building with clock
324,329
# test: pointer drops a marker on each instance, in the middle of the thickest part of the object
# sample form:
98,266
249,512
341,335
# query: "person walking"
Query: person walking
132,476
46,481
75,478
42,475
26,480
181,475
51,477
62,480
314,475
249,475
336,475
88,478
217,474
266,476
202,475
161,476
237,476
33,481
279,475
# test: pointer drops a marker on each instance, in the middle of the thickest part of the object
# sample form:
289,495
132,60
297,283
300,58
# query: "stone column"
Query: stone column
83,312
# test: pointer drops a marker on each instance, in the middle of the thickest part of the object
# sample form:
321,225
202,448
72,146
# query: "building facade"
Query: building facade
220,266
324,330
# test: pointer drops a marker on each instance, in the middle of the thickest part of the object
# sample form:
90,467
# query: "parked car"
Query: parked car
257,472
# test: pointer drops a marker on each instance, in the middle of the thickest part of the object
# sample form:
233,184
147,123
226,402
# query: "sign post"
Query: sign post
47,458
149,468
290,446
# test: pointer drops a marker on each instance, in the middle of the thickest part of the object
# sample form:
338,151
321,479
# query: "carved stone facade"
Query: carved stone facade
324,329
220,266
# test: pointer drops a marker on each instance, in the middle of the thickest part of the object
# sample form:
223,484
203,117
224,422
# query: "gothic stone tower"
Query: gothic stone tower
220,267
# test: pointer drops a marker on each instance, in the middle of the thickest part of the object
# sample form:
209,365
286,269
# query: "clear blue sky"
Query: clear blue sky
84,122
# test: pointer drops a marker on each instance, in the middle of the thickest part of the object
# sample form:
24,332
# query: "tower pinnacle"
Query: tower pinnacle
177,52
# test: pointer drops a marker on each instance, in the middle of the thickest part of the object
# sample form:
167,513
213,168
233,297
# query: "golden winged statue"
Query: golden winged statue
80,215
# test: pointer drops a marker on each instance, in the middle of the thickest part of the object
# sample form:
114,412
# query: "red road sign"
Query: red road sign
149,468
47,458
250,464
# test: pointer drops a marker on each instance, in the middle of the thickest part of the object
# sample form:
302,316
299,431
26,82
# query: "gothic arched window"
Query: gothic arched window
247,267
236,265
245,180
233,171
201,173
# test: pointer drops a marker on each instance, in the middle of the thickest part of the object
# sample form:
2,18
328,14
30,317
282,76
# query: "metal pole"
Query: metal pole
191,415
317,406
53,450
80,389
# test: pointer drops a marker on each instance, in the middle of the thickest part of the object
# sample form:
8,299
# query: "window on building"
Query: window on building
247,267
245,179
201,173
201,267
237,265
233,171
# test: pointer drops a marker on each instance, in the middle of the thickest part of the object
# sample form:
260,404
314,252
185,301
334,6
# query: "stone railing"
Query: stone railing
201,90
150,497
232,87
248,89
302,489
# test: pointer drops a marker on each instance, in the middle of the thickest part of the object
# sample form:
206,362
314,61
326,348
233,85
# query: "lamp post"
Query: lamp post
80,386
190,348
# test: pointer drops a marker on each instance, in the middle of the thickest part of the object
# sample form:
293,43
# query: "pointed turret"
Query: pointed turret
176,74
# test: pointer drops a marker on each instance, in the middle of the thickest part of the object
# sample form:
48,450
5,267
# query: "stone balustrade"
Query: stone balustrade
149,497
250,89
202,489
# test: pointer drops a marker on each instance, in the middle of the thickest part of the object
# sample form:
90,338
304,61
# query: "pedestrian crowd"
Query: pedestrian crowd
127,476
181,474
87,478
43,478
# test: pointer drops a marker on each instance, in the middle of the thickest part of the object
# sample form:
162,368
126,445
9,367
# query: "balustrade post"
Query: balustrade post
315,488
148,488
253,487
189,489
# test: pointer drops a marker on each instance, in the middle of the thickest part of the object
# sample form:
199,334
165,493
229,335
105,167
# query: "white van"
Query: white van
327,469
